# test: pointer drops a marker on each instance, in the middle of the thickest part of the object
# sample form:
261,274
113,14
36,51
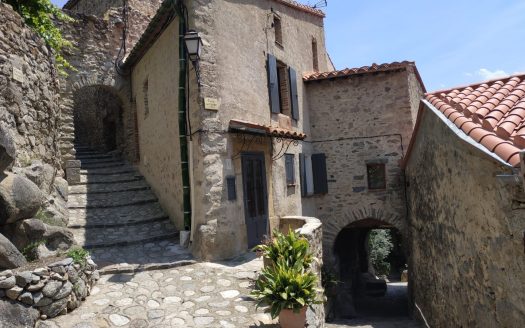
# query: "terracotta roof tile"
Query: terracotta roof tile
374,68
300,6
491,113
270,131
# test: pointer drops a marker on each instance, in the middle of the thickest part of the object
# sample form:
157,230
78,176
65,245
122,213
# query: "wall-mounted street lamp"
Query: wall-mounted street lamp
193,44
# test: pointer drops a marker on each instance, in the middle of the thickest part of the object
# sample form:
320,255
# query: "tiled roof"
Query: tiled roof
314,76
270,131
300,6
492,113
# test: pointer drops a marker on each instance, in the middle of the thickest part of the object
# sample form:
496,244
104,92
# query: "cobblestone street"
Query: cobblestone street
197,295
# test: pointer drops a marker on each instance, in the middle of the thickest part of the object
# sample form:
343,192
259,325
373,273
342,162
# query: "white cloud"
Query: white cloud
490,75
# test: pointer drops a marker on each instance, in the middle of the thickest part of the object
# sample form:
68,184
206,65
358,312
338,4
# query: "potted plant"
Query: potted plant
287,291
290,248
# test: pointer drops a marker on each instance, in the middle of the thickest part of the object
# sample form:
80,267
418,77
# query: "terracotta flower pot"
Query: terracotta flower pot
290,319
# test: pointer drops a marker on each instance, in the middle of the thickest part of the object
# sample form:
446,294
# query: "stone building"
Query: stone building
466,206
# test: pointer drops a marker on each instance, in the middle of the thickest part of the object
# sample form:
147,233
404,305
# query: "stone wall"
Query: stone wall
356,120
29,111
311,229
158,125
53,290
233,71
467,265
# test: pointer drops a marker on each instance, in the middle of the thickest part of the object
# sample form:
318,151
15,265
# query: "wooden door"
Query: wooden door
255,197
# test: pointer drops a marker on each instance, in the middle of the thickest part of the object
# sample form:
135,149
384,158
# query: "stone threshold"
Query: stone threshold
174,235
135,268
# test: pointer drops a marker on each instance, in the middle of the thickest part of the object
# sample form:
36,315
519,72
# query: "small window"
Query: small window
145,91
376,176
289,160
315,57
313,174
232,192
278,30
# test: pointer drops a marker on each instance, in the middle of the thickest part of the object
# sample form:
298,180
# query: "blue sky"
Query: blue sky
453,42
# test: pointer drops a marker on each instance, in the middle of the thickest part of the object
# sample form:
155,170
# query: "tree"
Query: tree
380,245
40,15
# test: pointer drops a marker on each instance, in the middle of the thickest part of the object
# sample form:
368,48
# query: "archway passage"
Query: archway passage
370,260
98,119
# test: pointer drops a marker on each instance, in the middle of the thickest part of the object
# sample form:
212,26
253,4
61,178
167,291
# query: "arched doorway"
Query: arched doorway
369,260
98,119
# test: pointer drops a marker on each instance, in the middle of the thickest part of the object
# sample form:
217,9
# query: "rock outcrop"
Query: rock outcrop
19,199
10,257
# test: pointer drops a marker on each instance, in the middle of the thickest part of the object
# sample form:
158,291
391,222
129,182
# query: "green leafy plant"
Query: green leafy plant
290,248
282,286
79,255
380,245
30,251
40,15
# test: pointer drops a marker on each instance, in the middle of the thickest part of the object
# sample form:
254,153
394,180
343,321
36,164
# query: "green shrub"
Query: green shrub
48,218
290,248
285,287
30,252
79,255
380,245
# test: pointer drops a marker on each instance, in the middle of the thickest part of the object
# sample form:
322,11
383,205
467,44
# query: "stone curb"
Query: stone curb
135,268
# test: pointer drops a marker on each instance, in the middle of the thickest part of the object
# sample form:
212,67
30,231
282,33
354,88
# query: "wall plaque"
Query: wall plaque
211,103
18,75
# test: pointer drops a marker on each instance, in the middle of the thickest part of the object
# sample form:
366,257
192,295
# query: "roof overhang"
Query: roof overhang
239,126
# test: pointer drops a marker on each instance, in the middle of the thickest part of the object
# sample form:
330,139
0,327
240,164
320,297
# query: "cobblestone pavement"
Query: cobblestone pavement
116,216
197,295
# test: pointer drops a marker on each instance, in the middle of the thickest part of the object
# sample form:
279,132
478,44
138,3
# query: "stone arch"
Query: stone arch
333,226
116,86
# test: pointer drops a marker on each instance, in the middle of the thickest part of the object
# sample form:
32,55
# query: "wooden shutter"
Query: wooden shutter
273,84
293,93
302,172
319,174
290,169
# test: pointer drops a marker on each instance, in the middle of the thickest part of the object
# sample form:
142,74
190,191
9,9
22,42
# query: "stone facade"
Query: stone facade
29,111
356,120
466,230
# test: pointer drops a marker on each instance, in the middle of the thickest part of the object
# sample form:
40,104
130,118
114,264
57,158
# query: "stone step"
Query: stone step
105,188
101,165
93,156
105,179
83,224
115,215
115,200
98,160
123,204
108,171
125,235
127,240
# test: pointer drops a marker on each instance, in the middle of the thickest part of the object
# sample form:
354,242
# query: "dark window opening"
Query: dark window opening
278,30
284,94
315,57
289,160
376,176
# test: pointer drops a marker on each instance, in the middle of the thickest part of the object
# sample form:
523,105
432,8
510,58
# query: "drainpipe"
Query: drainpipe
186,193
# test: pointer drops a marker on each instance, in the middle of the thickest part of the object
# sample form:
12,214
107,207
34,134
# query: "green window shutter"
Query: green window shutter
273,84
302,172
319,174
293,93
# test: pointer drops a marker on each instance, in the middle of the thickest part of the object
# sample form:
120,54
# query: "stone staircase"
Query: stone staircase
115,215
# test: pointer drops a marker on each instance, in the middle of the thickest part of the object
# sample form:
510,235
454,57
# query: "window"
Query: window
278,30
313,173
282,86
376,176
145,90
315,57
289,163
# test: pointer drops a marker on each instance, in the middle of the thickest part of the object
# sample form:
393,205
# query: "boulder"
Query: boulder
14,314
20,199
7,148
10,256
39,173
58,238
54,309
30,231
61,187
